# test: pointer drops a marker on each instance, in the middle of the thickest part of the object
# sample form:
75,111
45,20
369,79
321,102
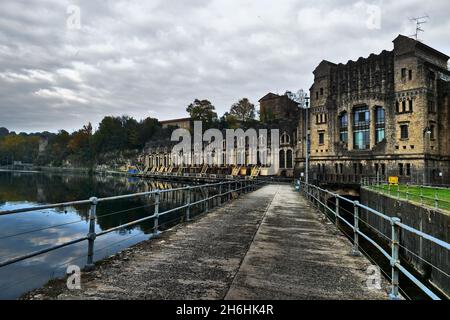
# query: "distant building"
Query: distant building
385,115
43,144
276,107
183,123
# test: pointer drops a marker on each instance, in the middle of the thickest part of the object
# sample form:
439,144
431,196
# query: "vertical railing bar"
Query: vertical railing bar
91,234
355,250
395,244
156,232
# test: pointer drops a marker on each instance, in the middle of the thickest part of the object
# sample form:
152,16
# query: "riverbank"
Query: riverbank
269,244
64,170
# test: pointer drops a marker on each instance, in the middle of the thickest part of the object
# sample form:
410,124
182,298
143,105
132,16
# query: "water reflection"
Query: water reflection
56,226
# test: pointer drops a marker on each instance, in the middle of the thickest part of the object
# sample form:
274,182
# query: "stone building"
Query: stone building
273,106
385,115
183,123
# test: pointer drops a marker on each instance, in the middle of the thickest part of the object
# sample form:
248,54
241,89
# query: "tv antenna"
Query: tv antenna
419,21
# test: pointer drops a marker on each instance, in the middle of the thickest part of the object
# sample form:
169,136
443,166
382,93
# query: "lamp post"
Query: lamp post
307,139
427,137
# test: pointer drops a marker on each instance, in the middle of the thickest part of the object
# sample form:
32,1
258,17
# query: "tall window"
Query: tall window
321,138
432,132
431,106
408,169
343,127
404,132
403,73
379,124
361,128
282,159
289,159
400,169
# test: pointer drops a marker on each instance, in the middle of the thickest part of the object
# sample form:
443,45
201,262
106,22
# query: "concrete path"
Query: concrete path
269,244
296,256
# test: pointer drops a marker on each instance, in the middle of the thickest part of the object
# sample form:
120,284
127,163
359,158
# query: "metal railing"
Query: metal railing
432,196
319,196
425,195
223,194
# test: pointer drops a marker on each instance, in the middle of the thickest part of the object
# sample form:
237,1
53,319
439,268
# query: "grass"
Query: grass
413,193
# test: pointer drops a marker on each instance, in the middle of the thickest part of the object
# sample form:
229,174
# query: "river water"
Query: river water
28,232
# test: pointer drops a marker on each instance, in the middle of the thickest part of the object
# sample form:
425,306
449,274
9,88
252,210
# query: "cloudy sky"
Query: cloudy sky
153,57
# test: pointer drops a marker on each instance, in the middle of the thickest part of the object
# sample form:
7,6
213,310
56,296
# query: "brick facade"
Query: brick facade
385,114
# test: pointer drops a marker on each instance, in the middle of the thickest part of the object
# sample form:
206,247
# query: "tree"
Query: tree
3,132
202,110
57,148
19,148
243,110
110,135
230,121
81,145
147,129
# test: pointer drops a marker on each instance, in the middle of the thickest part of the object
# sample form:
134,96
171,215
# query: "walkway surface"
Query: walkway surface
270,244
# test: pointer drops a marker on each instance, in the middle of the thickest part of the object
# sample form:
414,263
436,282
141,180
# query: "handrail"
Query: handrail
126,196
435,201
242,186
312,192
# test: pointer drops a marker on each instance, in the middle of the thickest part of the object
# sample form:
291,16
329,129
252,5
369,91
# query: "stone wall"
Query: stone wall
425,219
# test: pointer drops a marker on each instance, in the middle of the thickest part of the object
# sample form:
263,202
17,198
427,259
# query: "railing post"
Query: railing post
156,232
308,192
395,244
91,234
220,194
188,208
355,250
337,213
436,200
206,199
421,195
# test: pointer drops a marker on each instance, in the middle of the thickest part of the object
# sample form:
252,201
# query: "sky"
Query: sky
64,63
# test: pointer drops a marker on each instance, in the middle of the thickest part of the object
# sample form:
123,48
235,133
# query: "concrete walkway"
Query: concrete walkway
296,256
269,244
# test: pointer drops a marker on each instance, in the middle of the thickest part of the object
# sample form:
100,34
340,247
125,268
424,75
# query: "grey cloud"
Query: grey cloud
152,58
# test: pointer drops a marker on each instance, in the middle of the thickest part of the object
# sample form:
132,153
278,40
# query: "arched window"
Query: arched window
343,127
282,159
380,120
285,139
289,159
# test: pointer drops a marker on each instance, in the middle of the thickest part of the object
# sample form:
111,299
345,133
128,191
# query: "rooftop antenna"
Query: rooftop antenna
419,22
